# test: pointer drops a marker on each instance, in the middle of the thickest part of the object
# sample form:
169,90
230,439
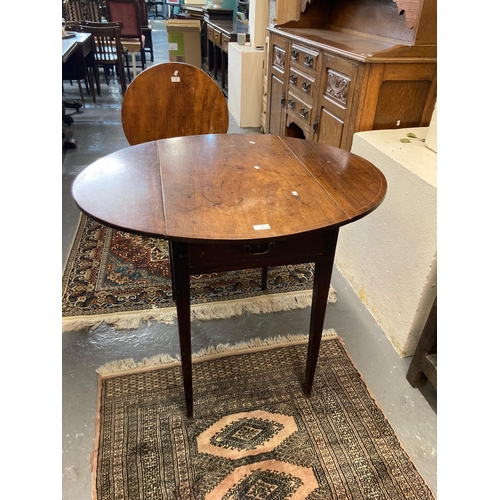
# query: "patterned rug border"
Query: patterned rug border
127,320
129,366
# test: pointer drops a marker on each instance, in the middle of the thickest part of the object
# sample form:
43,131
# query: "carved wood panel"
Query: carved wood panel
279,57
337,87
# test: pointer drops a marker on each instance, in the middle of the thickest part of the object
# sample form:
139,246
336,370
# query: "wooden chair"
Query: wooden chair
88,10
108,50
146,28
93,11
127,13
74,10
174,99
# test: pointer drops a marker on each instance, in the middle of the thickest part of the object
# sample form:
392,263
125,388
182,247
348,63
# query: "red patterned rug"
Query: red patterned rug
124,279
253,434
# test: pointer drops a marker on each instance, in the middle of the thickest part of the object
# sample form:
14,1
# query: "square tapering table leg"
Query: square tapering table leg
180,280
322,275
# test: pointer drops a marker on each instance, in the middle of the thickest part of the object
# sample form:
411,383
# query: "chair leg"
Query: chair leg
95,72
81,91
264,278
106,76
125,61
90,78
86,81
121,74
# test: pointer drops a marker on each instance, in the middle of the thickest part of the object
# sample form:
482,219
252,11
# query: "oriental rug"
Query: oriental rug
253,434
124,279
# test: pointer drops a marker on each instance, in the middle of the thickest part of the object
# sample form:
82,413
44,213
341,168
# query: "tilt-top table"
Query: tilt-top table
230,202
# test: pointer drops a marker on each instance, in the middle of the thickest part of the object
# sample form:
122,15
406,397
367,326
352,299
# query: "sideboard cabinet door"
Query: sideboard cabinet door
336,101
277,74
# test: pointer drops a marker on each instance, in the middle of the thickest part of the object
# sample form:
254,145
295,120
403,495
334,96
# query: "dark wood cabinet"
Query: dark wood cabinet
352,65
218,34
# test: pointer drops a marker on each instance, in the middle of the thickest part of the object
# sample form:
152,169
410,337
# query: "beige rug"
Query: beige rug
253,434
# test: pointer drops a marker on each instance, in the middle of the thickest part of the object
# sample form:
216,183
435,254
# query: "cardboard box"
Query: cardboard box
184,41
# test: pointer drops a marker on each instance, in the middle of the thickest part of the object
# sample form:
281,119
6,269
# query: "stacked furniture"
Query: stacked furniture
351,65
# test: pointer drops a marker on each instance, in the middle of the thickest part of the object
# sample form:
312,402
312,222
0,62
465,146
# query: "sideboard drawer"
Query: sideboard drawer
224,42
301,82
210,33
217,38
305,58
301,110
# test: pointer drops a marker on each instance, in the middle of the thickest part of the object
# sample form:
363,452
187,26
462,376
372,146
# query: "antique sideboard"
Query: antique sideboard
351,65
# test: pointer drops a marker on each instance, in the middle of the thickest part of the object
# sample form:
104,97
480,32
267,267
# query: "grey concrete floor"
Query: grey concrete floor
411,412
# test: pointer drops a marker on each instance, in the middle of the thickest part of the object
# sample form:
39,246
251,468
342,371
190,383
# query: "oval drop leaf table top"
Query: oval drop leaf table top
229,187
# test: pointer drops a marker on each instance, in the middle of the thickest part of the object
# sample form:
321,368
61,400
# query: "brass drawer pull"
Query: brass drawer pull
306,86
291,103
295,55
257,249
293,79
308,60
304,113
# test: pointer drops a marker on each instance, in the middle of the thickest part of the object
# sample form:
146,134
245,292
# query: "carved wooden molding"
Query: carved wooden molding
337,86
279,57
411,10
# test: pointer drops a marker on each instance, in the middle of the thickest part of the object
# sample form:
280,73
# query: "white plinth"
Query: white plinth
257,22
390,256
244,88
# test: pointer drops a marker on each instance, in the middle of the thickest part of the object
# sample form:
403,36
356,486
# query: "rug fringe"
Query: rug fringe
216,310
128,365
121,321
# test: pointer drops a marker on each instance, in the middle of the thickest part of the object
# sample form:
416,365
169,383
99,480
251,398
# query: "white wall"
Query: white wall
390,256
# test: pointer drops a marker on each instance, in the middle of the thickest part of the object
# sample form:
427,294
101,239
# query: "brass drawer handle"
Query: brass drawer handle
291,103
306,86
308,60
293,79
304,113
257,249
295,55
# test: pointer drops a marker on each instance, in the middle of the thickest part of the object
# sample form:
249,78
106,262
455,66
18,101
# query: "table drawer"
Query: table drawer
299,109
305,58
224,42
209,257
301,82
